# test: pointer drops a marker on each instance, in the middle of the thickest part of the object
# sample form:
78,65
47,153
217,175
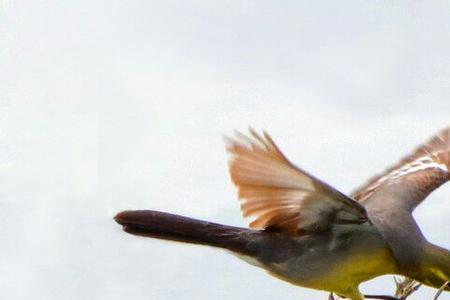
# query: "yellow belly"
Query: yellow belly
358,268
345,272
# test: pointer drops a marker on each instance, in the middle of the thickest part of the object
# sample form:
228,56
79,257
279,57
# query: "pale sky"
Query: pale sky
113,105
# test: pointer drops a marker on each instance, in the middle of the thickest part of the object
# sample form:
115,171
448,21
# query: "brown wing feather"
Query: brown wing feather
281,195
421,172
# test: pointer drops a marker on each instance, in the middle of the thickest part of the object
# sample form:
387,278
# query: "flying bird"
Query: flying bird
310,234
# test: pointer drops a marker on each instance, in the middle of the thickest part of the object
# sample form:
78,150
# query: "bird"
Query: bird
306,232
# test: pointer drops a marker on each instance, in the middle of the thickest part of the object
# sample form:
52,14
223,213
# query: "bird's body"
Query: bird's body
336,260
311,235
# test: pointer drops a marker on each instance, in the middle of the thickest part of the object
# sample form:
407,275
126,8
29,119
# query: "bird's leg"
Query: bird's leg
442,288
331,297
405,287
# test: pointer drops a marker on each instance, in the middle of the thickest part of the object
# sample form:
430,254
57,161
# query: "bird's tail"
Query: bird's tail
172,227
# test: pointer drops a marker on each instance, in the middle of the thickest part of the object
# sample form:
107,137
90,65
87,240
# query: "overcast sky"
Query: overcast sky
113,105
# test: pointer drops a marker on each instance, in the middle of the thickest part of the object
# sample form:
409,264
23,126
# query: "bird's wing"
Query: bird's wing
414,177
279,195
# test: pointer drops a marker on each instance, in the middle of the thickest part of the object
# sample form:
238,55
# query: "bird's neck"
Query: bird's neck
435,267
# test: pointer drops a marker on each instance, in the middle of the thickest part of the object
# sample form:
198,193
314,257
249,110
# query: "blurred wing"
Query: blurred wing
412,179
280,195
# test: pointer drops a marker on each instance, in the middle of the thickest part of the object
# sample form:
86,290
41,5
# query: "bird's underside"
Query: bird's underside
308,233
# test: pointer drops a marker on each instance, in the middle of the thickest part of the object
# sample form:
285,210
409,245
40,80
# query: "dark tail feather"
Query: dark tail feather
167,226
